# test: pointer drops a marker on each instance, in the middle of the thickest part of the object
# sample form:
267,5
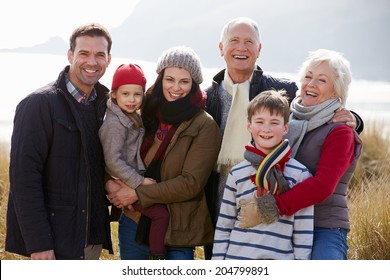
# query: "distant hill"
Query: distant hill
288,30
54,45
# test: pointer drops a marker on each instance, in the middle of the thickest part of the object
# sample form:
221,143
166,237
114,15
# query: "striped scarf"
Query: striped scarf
269,176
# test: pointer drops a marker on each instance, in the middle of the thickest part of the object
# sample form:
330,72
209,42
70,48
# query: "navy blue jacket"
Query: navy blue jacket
260,82
50,183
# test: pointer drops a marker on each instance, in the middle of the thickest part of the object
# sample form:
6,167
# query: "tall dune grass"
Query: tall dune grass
369,201
369,198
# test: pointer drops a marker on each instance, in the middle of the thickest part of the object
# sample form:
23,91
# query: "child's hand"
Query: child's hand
148,181
130,207
112,186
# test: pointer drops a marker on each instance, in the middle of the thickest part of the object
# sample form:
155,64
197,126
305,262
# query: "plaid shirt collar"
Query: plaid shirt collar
78,94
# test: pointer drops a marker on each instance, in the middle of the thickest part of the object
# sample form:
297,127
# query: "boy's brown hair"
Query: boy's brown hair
276,101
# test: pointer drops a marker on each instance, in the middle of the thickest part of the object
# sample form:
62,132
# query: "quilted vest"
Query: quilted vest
333,211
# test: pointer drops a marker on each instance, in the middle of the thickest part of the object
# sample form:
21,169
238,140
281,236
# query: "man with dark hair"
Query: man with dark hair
57,207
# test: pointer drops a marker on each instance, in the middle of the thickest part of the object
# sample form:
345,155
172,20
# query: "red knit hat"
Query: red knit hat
128,74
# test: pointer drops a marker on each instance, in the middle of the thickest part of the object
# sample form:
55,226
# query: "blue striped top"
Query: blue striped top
291,237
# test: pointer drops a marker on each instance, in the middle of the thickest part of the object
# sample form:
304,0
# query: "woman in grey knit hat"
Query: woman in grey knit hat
180,149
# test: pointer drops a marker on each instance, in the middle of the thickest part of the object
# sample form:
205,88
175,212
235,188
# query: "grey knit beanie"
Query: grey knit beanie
184,57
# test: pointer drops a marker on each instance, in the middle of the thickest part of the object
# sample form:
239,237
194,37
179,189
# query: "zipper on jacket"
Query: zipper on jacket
87,167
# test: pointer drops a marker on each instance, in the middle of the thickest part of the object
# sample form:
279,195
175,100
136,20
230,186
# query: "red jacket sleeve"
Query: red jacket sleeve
336,157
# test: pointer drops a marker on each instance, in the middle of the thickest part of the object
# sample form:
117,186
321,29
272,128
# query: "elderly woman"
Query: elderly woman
330,151
180,149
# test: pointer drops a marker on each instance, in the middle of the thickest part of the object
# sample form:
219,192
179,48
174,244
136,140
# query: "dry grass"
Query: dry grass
4,187
369,201
370,220
369,198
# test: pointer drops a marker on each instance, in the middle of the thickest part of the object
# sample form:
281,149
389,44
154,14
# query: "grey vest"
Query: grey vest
333,211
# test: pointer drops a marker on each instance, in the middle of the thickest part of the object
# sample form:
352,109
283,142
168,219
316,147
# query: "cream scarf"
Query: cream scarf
236,135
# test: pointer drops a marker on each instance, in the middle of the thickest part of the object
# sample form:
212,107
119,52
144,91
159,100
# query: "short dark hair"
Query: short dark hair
90,29
272,100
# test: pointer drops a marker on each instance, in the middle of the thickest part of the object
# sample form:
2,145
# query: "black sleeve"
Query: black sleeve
359,123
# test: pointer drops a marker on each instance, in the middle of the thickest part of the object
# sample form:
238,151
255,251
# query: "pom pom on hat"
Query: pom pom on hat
183,57
128,74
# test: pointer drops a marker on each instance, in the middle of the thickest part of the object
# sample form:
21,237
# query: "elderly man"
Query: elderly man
229,95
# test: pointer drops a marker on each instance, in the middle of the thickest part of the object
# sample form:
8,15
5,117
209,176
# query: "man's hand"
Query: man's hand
345,116
44,255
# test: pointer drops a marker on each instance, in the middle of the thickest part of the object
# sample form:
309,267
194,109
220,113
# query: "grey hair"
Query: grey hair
342,75
238,20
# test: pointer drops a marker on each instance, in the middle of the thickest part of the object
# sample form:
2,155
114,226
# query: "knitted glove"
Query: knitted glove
268,210
255,211
249,213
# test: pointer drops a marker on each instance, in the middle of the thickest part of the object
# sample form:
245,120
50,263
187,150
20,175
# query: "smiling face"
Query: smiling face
128,97
240,50
88,61
317,84
176,83
267,129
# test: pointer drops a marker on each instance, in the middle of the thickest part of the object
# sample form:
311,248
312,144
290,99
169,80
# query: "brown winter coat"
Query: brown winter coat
187,164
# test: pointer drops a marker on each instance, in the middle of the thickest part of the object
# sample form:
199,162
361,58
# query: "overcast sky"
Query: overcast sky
26,23
289,29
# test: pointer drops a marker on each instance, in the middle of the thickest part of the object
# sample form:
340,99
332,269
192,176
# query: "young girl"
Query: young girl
121,136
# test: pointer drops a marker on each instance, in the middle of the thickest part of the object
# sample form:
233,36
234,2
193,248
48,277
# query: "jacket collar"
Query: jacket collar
101,90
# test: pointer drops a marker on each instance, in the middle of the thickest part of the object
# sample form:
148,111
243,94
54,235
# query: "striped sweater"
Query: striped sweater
291,237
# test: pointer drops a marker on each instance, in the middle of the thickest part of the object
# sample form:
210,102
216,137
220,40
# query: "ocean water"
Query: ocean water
22,73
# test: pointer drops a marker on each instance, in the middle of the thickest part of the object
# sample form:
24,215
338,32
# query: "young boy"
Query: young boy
121,136
267,168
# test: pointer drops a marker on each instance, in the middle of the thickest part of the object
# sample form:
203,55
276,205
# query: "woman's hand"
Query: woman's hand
345,116
124,196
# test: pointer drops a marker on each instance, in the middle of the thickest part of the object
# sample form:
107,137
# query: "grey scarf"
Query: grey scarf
307,118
